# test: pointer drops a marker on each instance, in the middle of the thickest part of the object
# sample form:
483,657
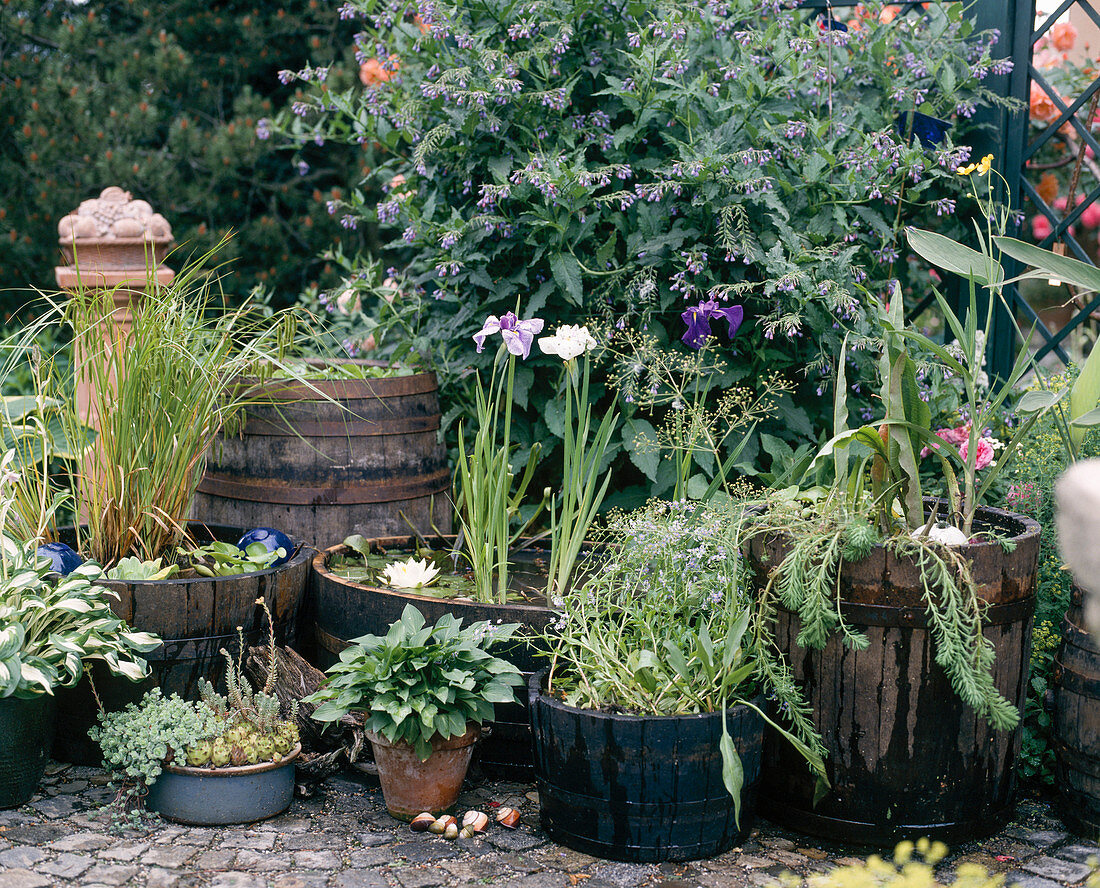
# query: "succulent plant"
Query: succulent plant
220,754
198,754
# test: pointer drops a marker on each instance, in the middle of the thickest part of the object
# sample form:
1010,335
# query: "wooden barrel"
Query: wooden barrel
345,609
641,788
906,758
1076,728
196,617
330,458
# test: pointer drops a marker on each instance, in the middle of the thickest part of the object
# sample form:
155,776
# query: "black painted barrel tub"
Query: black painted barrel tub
906,758
643,789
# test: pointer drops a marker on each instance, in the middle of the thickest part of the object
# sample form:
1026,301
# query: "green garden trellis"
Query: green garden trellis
1007,137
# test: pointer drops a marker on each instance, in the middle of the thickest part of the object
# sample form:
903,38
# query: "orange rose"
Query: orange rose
1063,35
1048,187
888,14
372,72
1042,106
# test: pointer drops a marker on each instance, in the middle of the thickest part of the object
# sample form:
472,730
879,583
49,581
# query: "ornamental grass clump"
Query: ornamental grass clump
157,394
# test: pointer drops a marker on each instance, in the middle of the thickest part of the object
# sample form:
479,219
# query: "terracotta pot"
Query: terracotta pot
411,786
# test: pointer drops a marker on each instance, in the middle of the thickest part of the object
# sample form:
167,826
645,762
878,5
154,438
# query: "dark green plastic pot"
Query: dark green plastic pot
26,732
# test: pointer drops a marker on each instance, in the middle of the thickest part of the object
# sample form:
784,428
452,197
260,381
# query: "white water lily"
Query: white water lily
568,343
411,574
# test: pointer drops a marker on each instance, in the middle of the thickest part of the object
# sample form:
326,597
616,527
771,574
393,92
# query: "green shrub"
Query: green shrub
630,166
164,100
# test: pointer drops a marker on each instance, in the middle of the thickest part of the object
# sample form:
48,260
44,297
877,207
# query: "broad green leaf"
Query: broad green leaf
955,257
733,773
1084,396
1050,265
567,275
1086,420
1039,401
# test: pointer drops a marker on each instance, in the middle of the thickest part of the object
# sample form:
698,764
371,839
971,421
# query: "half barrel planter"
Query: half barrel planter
906,757
344,609
643,789
328,458
1076,728
196,617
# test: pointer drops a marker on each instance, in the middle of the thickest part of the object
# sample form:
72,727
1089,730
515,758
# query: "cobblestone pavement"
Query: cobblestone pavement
343,838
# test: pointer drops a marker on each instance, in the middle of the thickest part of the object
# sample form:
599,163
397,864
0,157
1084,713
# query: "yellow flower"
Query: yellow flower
966,170
983,167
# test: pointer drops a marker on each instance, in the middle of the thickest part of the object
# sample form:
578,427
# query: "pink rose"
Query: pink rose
986,453
1040,227
1090,216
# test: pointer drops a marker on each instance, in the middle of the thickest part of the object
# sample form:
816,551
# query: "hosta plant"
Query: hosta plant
51,628
418,682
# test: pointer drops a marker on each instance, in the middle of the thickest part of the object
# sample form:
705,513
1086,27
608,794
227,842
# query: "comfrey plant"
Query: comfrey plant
645,162
667,624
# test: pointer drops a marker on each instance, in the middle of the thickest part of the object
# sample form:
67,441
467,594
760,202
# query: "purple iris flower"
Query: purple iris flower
517,335
698,321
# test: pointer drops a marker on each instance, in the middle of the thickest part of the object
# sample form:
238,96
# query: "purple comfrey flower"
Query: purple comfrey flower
263,129
698,321
517,335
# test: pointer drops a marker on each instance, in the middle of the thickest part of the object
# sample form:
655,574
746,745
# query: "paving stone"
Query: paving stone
236,879
66,866
22,878
289,825
57,806
777,842
316,860
375,839
253,842
482,870
426,850
752,862
1058,870
21,856
420,878
1029,880
359,878
371,857
513,840
1042,837
262,862
107,874
169,856
624,875
81,841
1080,853
124,853
35,834
300,880
217,859
162,878
313,842
543,880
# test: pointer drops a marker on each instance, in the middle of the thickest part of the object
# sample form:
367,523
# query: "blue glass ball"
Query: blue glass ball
63,559
272,539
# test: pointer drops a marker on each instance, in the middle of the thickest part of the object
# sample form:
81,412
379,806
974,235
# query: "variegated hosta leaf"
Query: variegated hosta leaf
11,640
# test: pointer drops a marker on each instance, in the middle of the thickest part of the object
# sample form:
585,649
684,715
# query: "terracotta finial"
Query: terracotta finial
114,215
